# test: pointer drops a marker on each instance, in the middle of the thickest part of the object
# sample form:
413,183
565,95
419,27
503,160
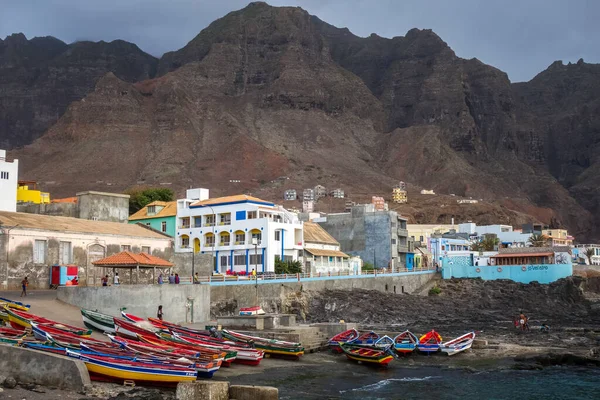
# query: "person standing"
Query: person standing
253,273
105,280
177,279
196,279
160,279
159,313
117,280
172,278
24,284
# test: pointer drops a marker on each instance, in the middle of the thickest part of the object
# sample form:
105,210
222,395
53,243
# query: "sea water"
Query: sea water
361,382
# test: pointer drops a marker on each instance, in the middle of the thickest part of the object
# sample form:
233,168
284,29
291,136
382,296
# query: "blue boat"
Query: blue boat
429,342
405,342
366,338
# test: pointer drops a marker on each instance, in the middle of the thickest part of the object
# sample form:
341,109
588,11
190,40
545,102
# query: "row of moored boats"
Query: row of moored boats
372,348
143,351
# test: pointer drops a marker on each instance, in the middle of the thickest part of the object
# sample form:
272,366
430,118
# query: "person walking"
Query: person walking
196,279
24,284
160,279
253,273
117,280
159,313
177,279
172,278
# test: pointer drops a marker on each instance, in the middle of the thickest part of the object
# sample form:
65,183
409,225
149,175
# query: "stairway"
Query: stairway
314,341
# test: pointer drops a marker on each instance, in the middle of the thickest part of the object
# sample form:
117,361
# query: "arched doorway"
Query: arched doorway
95,252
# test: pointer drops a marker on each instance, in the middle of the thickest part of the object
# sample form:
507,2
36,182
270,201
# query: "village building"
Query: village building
322,253
421,233
27,192
290,195
558,237
159,215
581,257
30,244
320,191
9,176
241,232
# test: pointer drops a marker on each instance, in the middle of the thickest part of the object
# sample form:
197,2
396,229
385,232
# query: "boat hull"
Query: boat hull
96,321
404,348
455,349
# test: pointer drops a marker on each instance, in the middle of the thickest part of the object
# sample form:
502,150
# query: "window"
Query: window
64,253
125,247
239,259
257,235
209,220
147,223
251,214
393,241
197,222
421,239
39,252
185,222
225,219
185,241
240,238
225,261
255,259
151,210
210,240
278,236
146,249
240,215
224,240
163,226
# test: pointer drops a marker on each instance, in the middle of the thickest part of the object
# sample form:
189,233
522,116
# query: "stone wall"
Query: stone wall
290,297
101,206
55,209
143,300
203,264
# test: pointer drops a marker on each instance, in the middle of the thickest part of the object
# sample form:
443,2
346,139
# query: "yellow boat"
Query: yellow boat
14,304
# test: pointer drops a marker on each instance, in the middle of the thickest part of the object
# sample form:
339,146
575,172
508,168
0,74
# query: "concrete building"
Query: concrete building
320,191
322,253
421,233
425,191
399,195
558,237
92,205
444,248
378,237
241,232
378,203
159,215
308,206
9,176
290,195
506,234
308,195
30,244
27,192
337,194
581,249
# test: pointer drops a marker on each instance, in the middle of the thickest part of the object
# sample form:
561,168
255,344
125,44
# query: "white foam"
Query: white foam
385,382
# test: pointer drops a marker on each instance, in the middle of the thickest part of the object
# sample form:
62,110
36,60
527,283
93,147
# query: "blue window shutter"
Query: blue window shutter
240,215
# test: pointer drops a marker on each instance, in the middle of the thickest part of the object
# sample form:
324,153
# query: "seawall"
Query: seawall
181,303
287,296
30,366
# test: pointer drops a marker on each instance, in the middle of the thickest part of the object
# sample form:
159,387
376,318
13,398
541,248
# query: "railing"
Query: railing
240,243
224,244
208,224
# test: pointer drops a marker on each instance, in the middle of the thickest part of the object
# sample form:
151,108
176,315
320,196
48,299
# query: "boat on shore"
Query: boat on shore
12,336
22,320
366,338
429,342
256,310
245,355
17,305
405,342
131,330
368,355
459,344
269,346
98,321
344,337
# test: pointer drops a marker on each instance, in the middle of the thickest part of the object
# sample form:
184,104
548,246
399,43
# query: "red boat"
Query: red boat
344,337
159,350
130,330
22,320
246,356
177,346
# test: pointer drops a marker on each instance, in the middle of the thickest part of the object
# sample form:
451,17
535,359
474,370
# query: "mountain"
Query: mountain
276,98
40,77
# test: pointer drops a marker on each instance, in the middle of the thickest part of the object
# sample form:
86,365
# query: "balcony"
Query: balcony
402,232
240,243
402,248
226,222
209,244
208,224
186,226
224,243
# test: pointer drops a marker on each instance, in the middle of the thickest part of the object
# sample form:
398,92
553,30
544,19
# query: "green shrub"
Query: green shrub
434,291
367,266
289,267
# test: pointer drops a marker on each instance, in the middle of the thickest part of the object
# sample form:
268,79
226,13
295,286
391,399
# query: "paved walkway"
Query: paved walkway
45,304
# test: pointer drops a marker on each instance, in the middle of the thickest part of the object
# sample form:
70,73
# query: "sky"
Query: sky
520,37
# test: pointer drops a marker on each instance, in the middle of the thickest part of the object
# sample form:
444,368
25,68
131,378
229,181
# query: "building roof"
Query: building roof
169,210
127,259
314,233
68,224
240,198
547,249
327,253
508,255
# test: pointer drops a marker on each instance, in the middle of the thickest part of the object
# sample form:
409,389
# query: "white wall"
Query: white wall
9,176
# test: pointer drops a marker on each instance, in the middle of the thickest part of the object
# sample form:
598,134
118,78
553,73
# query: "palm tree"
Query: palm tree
538,240
589,253
490,243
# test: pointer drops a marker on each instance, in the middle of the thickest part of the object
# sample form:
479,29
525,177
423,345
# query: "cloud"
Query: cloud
519,37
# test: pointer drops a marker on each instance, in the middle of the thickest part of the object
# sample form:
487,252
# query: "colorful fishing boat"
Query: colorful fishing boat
3,316
256,310
131,330
48,348
11,336
366,338
269,346
22,320
429,342
244,355
344,337
405,342
121,370
17,305
459,344
367,355
228,355
98,321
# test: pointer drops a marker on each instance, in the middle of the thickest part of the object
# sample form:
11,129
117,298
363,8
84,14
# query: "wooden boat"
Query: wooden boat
366,338
48,348
17,305
366,355
22,320
98,321
130,330
120,370
269,346
67,340
244,355
227,355
405,342
344,337
429,342
11,336
257,310
459,344
3,316
385,342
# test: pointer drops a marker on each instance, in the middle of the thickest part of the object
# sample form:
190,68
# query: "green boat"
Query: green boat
98,321
269,346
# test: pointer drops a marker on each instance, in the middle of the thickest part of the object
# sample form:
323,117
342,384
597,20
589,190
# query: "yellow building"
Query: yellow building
399,195
558,237
421,232
27,193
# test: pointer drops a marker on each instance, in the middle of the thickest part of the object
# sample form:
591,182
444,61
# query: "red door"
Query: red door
55,275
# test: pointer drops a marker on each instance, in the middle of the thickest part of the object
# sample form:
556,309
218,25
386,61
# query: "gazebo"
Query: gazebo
129,260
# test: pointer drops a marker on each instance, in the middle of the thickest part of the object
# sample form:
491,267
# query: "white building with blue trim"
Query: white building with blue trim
241,232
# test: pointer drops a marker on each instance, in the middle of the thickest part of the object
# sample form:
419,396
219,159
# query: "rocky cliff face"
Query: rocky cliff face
40,77
266,92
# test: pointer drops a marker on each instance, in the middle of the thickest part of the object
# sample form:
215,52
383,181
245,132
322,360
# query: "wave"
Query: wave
385,382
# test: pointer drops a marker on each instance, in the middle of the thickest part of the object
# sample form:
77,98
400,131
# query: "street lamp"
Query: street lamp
255,244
